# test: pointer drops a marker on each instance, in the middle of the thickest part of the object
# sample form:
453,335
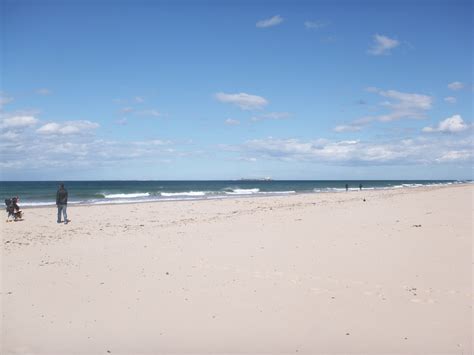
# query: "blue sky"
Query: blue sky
231,89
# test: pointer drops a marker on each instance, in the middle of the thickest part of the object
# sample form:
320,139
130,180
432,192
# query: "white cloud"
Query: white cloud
319,150
453,124
455,155
400,105
4,99
456,85
273,21
450,99
10,165
232,122
315,25
242,100
139,99
49,128
272,116
18,122
10,135
407,100
43,149
403,105
407,105
347,128
67,128
44,92
383,45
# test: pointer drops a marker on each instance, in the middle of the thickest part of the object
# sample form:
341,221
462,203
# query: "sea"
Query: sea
43,193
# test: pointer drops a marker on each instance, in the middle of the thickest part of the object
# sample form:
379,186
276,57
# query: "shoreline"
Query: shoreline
244,196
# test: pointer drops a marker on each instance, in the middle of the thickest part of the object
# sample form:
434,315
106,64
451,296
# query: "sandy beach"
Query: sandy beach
315,273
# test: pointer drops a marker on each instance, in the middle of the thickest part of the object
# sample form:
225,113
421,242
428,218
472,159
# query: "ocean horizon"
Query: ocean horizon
85,192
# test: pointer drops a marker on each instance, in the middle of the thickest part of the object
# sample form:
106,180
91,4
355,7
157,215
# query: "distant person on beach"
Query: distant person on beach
347,187
360,187
61,202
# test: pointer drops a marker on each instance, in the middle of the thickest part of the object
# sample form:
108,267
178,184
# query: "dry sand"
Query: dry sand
316,274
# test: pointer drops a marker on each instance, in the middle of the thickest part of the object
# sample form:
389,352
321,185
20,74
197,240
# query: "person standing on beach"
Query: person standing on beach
360,187
347,187
61,202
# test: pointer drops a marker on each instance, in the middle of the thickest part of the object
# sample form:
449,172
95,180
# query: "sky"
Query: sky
181,90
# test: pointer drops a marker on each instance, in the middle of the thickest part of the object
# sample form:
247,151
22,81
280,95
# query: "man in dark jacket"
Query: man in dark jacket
61,202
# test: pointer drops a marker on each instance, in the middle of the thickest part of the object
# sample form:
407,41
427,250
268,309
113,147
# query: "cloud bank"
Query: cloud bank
354,152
